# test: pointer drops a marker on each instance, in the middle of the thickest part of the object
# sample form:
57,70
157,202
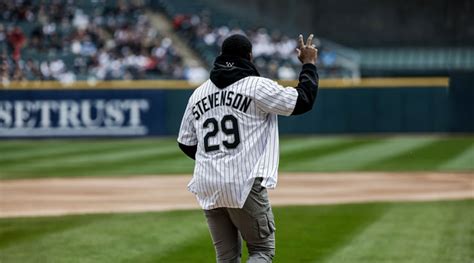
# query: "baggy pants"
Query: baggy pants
254,223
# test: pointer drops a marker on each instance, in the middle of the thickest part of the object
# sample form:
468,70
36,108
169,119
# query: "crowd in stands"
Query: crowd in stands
63,40
273,52
70,40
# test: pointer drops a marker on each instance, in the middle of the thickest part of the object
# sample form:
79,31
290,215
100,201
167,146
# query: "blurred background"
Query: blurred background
422,55
95,90
104,40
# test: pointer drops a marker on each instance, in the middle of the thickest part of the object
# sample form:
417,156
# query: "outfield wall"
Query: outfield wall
154,108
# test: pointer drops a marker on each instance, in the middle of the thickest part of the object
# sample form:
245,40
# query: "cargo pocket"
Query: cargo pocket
271,222
266,226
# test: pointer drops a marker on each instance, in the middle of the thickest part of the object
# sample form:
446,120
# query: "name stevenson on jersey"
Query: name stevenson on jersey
221,98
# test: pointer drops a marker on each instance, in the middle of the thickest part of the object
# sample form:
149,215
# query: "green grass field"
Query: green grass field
60,158
426,232
433,232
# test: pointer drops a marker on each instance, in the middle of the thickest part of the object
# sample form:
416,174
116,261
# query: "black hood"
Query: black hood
229,69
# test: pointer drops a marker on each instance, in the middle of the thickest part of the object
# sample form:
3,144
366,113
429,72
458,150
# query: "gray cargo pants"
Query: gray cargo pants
254,223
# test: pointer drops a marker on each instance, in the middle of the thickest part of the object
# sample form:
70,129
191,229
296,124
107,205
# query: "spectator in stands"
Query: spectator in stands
32,70
16,40
3,34
4,68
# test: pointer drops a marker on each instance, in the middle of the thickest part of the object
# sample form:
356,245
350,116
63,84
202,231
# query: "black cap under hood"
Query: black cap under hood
230,69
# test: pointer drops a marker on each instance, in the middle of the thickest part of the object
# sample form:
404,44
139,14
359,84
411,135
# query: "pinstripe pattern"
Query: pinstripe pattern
224,177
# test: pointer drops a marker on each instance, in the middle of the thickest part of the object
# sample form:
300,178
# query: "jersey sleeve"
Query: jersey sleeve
271,97
187,132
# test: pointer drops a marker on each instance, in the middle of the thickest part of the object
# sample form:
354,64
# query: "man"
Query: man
230,128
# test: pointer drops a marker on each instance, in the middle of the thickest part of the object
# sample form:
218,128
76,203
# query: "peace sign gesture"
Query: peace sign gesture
307,53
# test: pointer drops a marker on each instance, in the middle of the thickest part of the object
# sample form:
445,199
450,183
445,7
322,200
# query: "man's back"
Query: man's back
237,136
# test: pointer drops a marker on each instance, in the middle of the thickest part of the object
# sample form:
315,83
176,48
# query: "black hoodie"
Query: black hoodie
230,69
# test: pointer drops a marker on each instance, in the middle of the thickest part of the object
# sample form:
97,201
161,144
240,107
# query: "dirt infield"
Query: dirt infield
42,197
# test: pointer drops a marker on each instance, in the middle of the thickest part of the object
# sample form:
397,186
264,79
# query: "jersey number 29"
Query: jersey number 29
233,129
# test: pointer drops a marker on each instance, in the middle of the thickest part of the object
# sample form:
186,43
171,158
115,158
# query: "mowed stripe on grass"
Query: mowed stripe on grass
426,158
42,150
295,158
100,158
290,146
373,232
60,158
463,161
101,155
406,233
361,155
99,238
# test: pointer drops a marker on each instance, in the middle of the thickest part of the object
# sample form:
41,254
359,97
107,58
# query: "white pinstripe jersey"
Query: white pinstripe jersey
236,132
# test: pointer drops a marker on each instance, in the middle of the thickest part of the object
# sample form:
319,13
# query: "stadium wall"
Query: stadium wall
150,108
77,113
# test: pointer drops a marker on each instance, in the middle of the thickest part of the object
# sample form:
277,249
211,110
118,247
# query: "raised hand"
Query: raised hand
307,53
